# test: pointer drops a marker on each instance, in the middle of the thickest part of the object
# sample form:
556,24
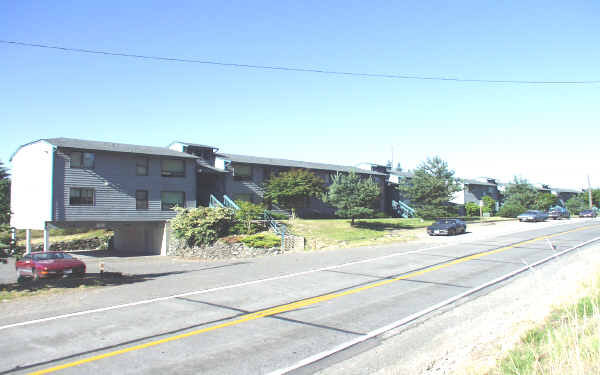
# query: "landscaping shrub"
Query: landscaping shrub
202,225
248,218
489,204
262,240
472,209
511,209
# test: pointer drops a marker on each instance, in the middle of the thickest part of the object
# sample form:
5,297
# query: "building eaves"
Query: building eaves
194,145
82,144
207,167
467,181
561,190
247,159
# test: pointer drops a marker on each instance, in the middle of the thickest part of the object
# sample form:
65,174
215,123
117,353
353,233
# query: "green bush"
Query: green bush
262,240
472,209
5,237
489,204
576,204
248,219
435,212
511,209
202,225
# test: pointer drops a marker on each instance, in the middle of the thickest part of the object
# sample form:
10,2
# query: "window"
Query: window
141,199
141,167
242,172
170,199
173,168
81,197
83,160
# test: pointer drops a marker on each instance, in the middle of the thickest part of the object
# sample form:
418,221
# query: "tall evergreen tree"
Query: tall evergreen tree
431,189
352,195
4,195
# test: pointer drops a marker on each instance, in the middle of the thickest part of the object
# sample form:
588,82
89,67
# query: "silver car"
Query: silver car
533,215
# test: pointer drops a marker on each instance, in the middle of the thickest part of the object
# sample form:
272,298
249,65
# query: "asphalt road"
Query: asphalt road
261,315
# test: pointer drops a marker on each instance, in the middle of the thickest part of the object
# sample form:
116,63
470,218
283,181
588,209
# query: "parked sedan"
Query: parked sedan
533,215
47,264
447,227
558,213
588,213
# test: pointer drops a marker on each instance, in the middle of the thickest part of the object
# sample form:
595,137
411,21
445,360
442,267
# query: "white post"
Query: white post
28,241
46,239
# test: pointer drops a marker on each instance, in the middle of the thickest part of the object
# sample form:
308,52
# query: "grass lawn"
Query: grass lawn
35,239
329,233
326,233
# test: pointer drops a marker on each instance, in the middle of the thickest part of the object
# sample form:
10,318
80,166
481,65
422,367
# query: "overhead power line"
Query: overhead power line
293,69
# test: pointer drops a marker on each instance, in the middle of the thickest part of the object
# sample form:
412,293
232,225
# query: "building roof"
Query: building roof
468,181
194,145
204,166
82,144
561,190
407,174
294,164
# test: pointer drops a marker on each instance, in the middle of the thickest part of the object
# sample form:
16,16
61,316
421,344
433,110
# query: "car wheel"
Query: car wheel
34,274
80,272
452,232
20,277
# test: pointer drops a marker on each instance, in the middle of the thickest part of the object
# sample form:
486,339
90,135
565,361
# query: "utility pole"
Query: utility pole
589,192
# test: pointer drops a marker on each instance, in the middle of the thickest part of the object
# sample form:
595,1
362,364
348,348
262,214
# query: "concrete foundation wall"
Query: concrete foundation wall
140,237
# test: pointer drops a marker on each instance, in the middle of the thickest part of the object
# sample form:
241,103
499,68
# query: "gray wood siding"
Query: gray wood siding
115,182
234,187
475,193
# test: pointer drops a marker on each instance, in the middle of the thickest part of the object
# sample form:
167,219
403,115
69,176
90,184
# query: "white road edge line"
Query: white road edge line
204,291
317,357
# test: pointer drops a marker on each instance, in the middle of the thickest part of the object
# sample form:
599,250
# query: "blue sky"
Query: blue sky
545,133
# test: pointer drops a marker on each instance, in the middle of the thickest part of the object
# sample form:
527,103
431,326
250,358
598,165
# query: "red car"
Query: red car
46,264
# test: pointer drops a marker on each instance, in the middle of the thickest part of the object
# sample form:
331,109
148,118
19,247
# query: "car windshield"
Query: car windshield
51,256
445,221
531,212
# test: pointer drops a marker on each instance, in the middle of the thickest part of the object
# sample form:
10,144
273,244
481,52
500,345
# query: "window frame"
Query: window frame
162,203
236,174
137,200
82,160
81,189
146,165
165,173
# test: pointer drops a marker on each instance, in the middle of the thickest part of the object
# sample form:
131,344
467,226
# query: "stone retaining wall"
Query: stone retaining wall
218,251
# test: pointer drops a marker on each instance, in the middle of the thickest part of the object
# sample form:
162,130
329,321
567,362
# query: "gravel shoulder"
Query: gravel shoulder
470,337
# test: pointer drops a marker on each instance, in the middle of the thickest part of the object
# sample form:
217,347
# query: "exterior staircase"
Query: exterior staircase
227,202
402,209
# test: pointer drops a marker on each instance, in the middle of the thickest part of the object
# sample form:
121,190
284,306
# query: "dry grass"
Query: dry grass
567,343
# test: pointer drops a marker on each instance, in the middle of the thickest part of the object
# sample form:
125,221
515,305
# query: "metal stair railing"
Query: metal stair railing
277,227
228,202
405,210
214,202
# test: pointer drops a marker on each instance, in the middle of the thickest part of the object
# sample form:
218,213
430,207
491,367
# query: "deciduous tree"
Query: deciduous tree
292,189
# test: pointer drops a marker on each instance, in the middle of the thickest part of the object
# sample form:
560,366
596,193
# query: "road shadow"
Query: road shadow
111,254
381,226
88,280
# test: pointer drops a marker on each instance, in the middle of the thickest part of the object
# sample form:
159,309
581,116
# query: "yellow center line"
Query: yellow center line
296,305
